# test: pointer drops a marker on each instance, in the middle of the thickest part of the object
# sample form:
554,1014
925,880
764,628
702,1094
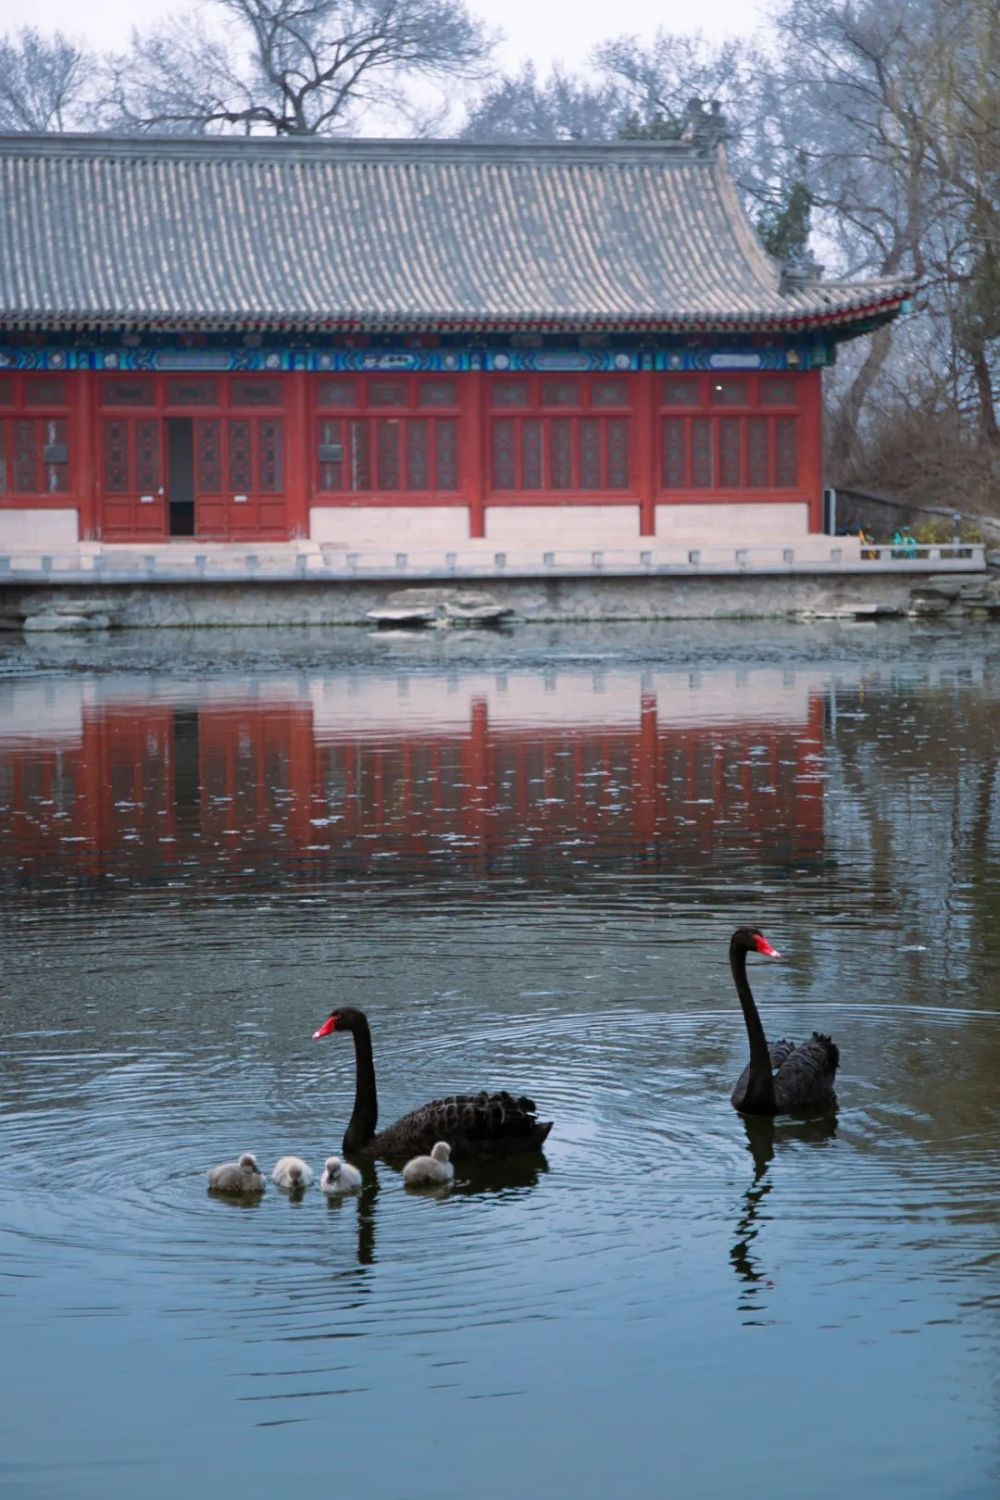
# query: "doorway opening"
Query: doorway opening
180,475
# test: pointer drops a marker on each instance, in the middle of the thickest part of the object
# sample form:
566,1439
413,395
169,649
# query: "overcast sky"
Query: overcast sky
545,30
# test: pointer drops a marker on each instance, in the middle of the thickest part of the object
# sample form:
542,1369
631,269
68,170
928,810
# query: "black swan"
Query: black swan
784,1077
240,1178
475,1124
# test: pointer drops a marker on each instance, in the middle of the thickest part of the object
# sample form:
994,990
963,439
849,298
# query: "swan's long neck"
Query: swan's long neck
364,1118
760,1086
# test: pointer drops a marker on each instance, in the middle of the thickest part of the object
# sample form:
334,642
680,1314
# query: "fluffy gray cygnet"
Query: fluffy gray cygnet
339,1176
237,1177
425,1170
292,1172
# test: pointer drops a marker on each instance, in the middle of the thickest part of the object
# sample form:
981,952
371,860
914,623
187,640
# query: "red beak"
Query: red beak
763,946
326,1028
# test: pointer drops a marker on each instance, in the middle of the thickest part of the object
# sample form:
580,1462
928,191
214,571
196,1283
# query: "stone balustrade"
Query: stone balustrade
291,561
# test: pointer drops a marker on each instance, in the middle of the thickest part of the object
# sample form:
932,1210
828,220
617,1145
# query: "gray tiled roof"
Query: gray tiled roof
208,233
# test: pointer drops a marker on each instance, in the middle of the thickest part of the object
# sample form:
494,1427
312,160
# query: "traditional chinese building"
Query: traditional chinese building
371,342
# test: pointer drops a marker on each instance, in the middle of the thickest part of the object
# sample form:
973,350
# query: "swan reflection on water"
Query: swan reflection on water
362,1204
765,1134
476,1176
501,1175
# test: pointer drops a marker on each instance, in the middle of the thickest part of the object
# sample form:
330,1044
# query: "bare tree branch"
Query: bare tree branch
291,67
43,83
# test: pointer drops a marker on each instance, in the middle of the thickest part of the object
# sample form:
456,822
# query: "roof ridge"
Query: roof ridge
325,148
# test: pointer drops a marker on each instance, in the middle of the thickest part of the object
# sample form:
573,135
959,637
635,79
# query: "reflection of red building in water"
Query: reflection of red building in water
155,790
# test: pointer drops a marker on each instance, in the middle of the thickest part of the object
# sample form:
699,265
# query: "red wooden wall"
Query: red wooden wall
266,448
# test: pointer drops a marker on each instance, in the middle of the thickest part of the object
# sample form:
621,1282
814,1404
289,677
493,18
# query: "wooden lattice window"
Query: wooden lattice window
561,438
412,451
758,468
126,392
510,393
681,390
208,455
337,393
584,448
33,446
387,466
45,392
330,440
617,446
360,471
240,457
729,453
132,462
438,393
778,390
269,443
116,458
532,460
786,463
705,449
609,393
560,453
255,392
147,456
590,454
505,455
418,466
387,393
446,455
25,464
192,393
702,467
674,466
561,393
730,390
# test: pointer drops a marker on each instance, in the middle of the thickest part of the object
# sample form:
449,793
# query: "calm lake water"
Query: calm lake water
523,856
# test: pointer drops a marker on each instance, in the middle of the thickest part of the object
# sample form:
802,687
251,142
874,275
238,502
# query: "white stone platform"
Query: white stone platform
278,562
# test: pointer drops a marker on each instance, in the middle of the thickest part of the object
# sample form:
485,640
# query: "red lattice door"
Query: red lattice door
239,478
133,506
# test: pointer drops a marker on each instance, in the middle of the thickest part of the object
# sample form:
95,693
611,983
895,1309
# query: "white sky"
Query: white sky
546,30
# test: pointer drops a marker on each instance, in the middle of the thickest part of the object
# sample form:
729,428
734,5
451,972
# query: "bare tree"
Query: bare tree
966,156
895,104
521,107
640,90
659,78
291,67
43,82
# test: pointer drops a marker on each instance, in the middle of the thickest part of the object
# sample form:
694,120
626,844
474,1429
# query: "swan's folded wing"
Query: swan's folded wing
780,1053
486,1116
806,1076
466,1121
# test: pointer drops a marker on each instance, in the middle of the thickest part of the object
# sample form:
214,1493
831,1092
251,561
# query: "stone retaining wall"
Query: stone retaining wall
552,599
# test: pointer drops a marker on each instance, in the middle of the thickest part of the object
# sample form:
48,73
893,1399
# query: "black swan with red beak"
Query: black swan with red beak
782,1078
472,1124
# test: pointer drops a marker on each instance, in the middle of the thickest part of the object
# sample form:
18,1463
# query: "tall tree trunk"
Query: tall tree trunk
844,437
984,390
